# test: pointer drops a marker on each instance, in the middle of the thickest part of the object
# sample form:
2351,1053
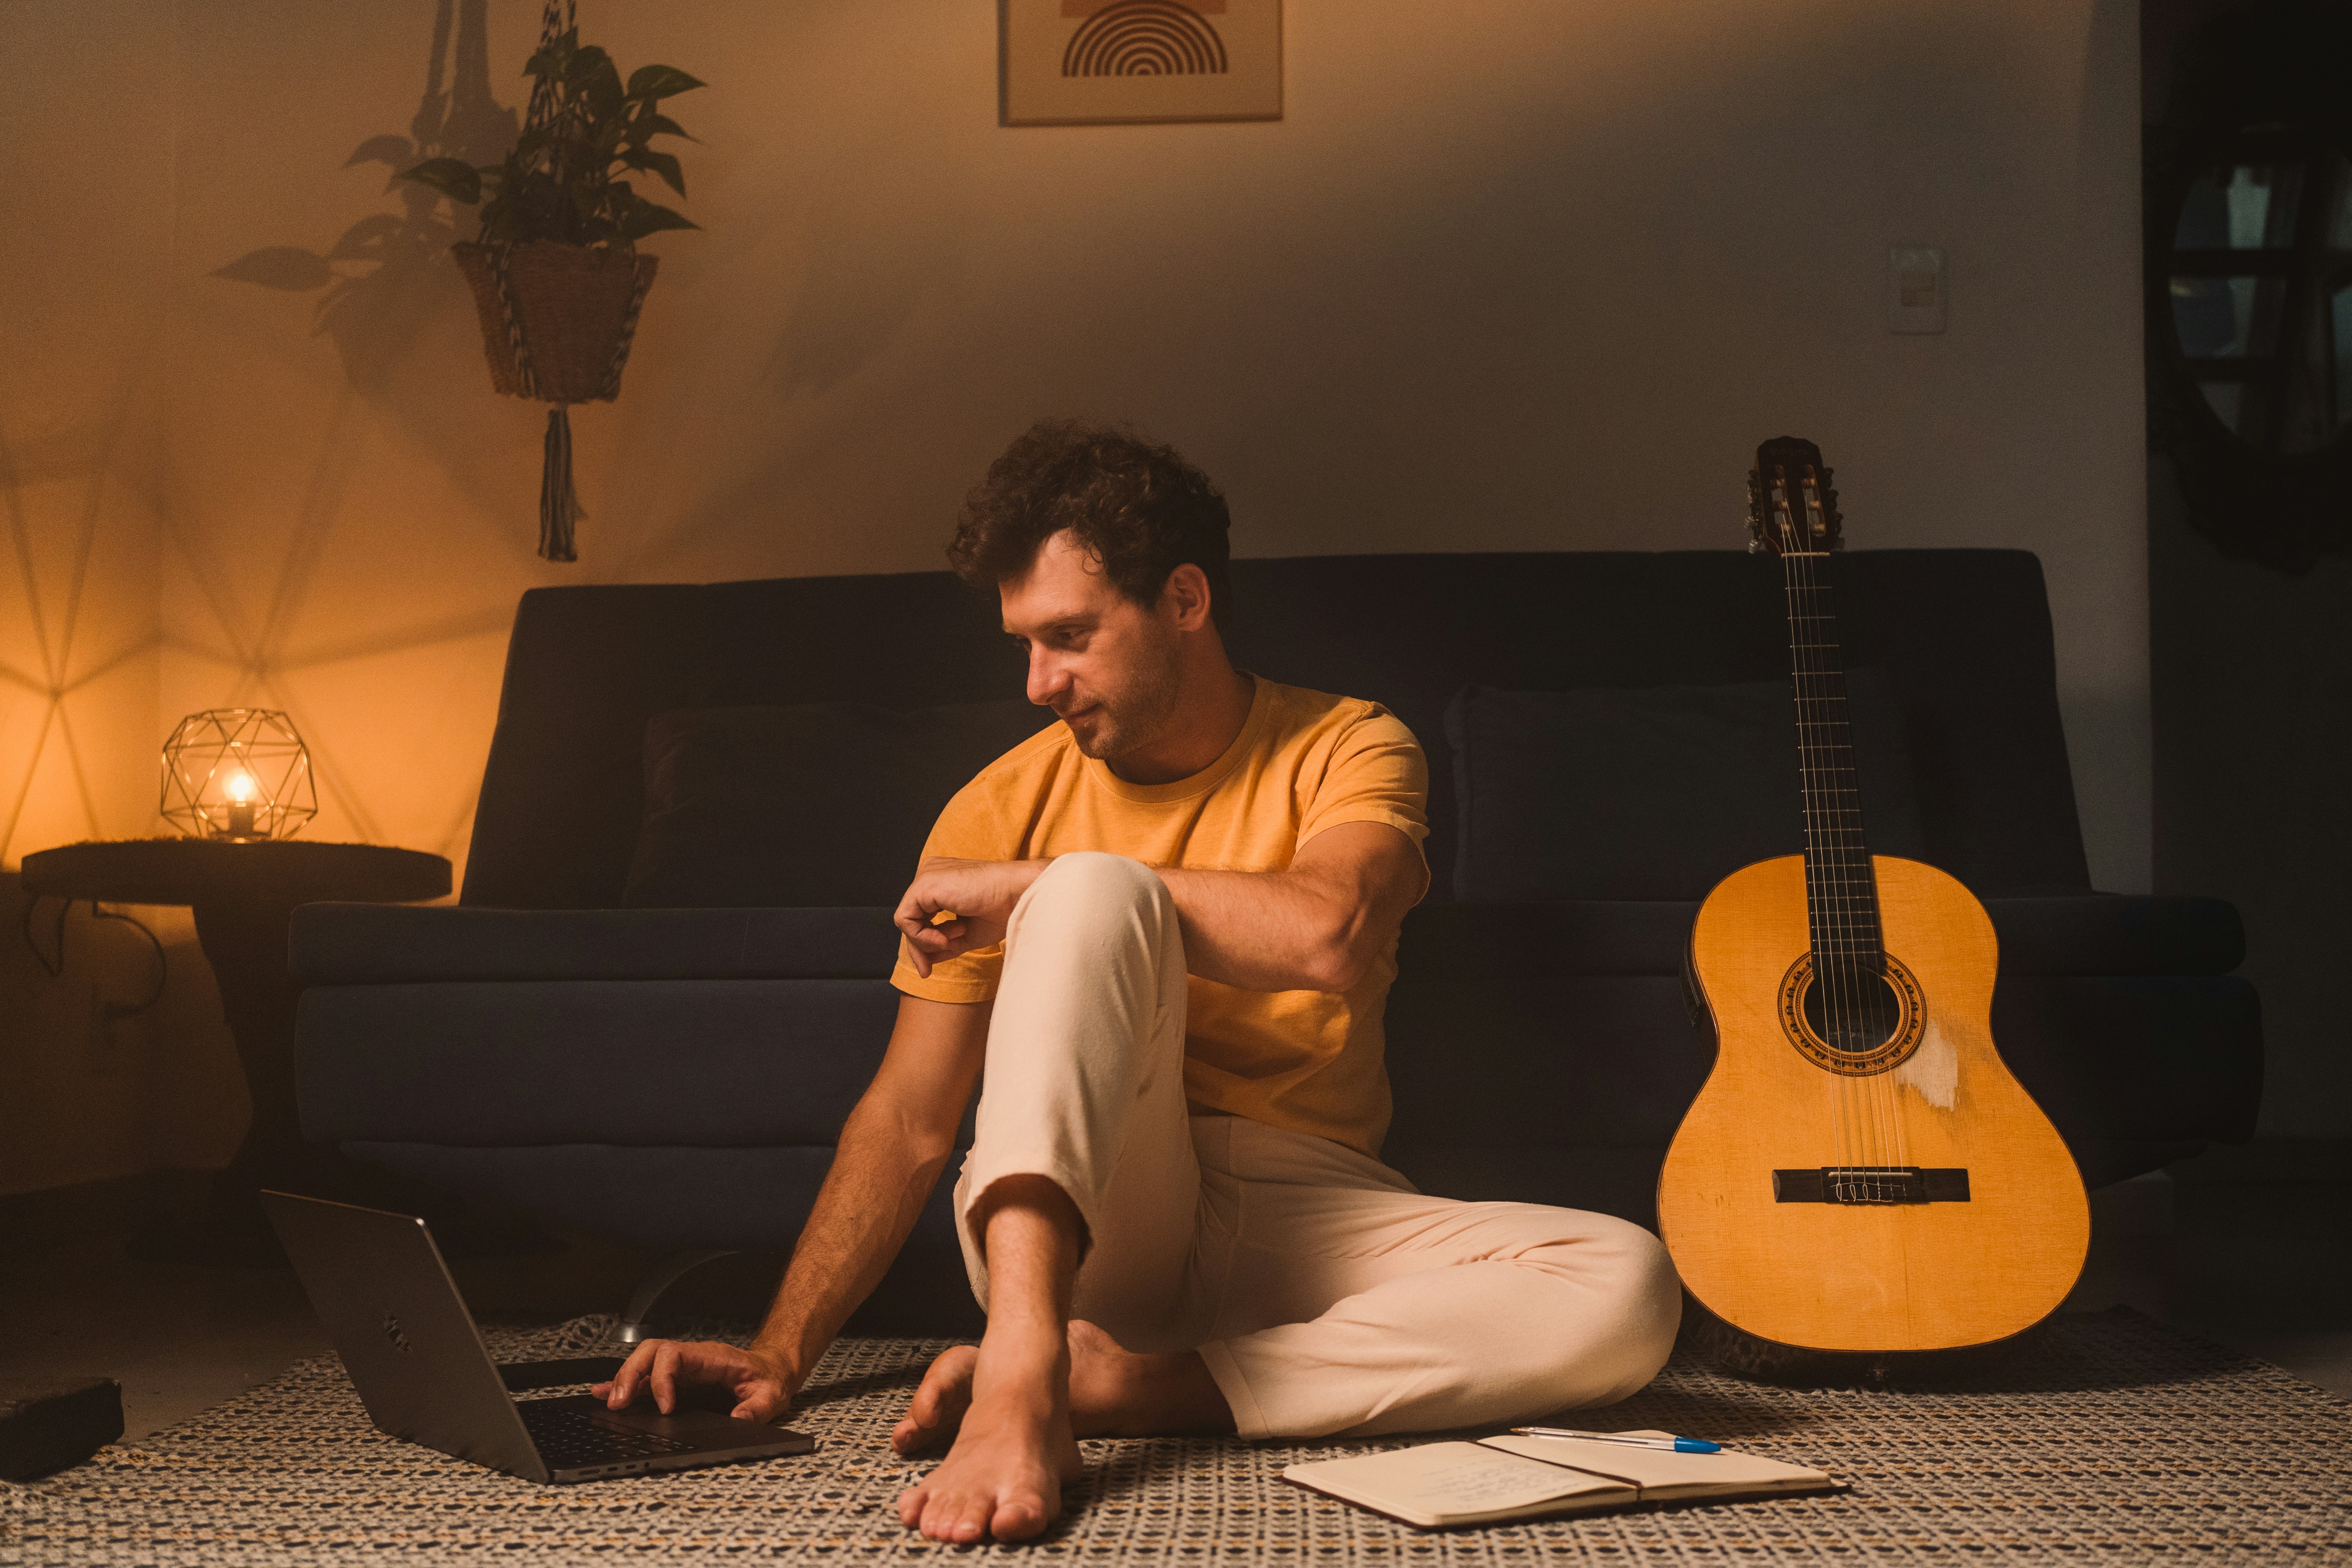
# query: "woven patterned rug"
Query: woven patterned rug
2114,1440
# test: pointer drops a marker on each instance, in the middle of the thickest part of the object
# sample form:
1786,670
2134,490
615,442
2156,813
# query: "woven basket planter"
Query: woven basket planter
557,320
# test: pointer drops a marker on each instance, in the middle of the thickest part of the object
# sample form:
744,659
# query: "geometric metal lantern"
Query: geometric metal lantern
237,773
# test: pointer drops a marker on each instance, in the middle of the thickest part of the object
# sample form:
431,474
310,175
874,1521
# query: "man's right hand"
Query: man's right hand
977,895
763,1391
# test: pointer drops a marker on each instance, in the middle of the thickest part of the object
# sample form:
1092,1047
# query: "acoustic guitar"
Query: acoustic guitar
1860,1172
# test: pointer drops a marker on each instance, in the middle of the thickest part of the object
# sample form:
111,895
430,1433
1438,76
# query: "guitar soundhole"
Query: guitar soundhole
1852,1011
1853,1022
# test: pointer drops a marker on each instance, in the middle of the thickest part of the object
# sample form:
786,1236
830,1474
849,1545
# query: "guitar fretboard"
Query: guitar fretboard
1841,892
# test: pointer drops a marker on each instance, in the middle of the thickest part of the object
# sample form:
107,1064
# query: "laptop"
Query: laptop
386,1299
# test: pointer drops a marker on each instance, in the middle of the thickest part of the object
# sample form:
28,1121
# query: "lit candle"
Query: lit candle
240,806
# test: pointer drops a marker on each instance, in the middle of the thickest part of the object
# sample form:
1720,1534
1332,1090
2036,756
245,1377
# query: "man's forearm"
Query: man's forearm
1267,930
882,1175
1319,924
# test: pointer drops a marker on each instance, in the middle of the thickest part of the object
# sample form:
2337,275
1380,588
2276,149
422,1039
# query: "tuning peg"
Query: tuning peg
1754,547
1829,499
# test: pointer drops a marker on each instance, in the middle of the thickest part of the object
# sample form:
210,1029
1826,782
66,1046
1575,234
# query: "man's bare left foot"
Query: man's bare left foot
936,1413
1003,1479
1114,1391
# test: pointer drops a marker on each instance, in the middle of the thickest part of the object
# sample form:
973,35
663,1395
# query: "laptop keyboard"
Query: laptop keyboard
568,1438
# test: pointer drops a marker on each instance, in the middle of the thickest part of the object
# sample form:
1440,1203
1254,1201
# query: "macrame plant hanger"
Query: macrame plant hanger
566,317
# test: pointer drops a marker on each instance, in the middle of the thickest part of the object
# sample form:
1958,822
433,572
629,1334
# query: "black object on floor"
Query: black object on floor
48,1426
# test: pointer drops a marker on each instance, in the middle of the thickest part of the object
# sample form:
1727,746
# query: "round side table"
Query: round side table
243,894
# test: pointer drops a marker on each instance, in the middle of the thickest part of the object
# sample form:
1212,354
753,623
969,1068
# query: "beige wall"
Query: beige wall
1510,274
85,263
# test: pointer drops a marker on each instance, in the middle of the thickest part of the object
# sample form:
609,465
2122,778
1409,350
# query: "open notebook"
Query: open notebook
1496,1480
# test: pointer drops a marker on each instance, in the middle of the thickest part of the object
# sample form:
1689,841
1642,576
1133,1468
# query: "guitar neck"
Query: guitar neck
1841,892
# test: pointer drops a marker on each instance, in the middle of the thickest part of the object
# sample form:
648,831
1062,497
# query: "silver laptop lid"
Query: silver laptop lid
383,1293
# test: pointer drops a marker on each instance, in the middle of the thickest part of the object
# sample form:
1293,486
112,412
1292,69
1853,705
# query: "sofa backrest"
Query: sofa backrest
1964,635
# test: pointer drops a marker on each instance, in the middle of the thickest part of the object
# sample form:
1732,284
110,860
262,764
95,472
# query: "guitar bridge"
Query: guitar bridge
1870,1184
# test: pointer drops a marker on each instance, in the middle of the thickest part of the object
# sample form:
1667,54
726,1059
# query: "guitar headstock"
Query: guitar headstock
1791,511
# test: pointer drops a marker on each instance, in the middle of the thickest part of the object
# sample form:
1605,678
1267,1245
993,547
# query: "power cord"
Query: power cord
55,967
155,991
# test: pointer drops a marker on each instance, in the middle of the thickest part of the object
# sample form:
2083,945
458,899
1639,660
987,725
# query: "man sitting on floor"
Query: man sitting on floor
1164,929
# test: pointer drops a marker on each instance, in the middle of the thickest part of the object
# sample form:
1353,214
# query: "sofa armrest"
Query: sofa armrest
392,944
2083,933
2118,934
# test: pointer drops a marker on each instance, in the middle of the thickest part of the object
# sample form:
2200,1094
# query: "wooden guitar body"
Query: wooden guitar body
1986,1238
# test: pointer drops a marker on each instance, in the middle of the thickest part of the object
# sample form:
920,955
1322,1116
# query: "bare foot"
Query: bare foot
1114,1391
1102,1381
937,1410
1003,1479
1118,1393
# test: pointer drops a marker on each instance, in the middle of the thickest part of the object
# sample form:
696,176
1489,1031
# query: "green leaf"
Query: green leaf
647,83
583,64
366,240
657,125
389,151
647,218
662,163
452,178
600,89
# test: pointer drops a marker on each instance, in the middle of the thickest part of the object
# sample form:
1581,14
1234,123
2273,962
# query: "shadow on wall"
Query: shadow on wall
385,292
373,315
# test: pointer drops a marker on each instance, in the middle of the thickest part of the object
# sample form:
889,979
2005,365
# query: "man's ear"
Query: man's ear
1185,598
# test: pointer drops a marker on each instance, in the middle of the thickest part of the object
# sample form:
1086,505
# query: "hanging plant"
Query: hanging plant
555,273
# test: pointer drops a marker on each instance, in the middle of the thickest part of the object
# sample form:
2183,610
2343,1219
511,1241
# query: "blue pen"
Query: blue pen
1671,1445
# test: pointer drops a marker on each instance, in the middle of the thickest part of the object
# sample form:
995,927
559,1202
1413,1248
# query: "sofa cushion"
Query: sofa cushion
1657,793
823,803
700,1063
384,945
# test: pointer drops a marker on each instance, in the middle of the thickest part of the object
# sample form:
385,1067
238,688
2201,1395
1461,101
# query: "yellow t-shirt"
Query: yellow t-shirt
1310,1061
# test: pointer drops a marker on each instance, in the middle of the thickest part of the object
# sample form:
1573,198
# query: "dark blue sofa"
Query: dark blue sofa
674,1078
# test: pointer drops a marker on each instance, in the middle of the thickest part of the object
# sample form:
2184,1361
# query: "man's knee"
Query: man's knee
1094,885
1629,1309
1647,1301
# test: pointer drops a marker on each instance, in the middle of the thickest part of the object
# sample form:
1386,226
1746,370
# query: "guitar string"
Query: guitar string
1823,907
1853,887
1836,872
1776,481
1856,916
1831,740
1836,867
1802,624
1851,960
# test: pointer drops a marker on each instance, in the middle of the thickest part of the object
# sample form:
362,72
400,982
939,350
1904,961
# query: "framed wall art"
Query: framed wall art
1127,62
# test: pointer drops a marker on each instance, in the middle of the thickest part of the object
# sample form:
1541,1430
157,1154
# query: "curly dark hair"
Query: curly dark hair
1142,510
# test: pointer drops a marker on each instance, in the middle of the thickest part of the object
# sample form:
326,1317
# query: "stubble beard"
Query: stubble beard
1134,719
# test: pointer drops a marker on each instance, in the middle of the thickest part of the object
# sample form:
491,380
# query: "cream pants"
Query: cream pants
1325,1293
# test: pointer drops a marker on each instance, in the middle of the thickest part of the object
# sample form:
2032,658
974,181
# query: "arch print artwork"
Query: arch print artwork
1108,62
1145,38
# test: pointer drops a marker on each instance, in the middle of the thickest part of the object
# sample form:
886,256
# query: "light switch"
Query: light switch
1915,289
